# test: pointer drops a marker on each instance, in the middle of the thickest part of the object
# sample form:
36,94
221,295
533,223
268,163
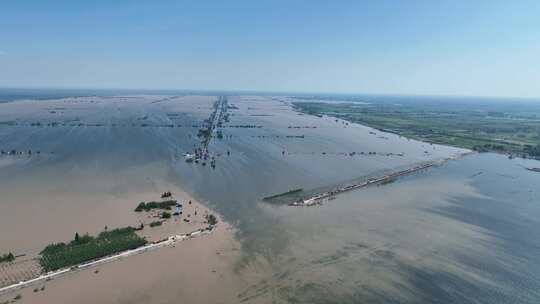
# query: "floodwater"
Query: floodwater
449,234
464,232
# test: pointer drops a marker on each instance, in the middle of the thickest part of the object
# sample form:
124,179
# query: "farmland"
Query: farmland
496,127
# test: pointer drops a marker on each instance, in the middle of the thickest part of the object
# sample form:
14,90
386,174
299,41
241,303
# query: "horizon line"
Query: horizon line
277,92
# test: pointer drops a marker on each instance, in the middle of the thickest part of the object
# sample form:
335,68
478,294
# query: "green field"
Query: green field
498,127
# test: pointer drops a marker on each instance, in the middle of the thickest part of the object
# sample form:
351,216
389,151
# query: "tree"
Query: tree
76,237
212,220
536,150
9,257
141,207
56,256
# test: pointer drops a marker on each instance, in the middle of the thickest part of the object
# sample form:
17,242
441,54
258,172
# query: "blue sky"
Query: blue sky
481,48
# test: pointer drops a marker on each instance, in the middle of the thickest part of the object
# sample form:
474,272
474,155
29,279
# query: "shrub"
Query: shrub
140,207
156,223
8,257
212,220
164,205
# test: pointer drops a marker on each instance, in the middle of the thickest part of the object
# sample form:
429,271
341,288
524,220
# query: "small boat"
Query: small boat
189,157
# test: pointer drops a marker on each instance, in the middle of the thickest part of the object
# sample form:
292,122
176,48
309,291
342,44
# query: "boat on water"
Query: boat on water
533,169
189,157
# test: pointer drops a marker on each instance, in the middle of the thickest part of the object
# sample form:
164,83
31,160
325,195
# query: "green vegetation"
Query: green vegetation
534,151
86,248
79,240
511,127
156,223
165,215
8,257
212,220
165,205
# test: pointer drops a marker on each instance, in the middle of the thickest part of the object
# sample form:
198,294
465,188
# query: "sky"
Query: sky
473,48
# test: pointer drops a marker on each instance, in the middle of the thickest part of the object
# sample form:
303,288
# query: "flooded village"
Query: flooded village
78,162
267,152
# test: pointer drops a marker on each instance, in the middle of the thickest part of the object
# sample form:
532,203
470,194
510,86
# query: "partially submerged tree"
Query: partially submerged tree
212,220
8,257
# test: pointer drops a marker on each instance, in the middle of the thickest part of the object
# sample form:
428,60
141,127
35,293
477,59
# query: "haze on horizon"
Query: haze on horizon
479,48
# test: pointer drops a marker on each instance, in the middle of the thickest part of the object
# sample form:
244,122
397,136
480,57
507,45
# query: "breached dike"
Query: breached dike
170,241
294,191
317,198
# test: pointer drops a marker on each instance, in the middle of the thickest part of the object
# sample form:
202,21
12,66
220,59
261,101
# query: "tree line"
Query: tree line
86,248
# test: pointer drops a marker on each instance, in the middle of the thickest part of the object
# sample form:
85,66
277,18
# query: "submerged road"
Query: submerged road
220,106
